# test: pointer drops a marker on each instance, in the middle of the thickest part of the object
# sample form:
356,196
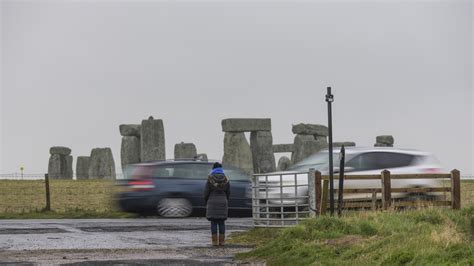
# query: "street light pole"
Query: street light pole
329,100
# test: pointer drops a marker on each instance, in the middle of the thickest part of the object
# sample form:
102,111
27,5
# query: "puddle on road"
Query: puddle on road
154,228
20,231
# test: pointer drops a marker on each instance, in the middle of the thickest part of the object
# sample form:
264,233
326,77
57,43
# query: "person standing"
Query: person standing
216,195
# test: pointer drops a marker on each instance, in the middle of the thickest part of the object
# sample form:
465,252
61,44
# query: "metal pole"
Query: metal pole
329,100
342,159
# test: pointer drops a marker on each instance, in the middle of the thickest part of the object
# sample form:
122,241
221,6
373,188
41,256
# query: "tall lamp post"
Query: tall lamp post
329,100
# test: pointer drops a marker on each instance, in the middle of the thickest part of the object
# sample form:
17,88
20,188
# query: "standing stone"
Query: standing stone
152,140
261,144
345,143
237,151
304,145
246,124
277,148
310,129
68,172
128,130
202,157
82,167
54,166
60,150
283,163
130,150
102,164
384,141
185,151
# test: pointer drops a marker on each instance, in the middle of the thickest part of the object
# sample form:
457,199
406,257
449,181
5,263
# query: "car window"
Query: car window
235,174
363,162
393,160
379,160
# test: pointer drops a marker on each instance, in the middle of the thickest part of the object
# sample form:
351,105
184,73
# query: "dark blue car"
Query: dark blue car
176,189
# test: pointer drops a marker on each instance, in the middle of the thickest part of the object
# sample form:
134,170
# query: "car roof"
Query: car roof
174,161
357,150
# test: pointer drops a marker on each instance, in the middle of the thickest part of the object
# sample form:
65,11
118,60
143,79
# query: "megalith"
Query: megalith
185,151
305,145
237,151
102,164
345,143
129,130
68,171
60,163
309,139
152,140
130,150
82,167
261,145
283,163
384,141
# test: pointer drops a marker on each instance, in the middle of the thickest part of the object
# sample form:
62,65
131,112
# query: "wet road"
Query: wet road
114,241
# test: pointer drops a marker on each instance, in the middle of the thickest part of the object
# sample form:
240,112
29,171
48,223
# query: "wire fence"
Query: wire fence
26,196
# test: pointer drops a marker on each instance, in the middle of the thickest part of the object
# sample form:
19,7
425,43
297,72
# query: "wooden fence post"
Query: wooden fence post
317,187
48,201
455,189
312,196
386,190
325,194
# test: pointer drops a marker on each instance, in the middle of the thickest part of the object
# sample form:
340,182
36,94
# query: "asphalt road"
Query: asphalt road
115,241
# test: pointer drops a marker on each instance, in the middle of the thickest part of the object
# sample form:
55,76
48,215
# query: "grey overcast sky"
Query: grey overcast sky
72,71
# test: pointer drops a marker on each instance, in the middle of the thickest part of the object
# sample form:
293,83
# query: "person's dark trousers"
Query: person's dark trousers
218,225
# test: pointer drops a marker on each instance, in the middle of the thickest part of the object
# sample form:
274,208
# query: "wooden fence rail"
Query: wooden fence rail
386,190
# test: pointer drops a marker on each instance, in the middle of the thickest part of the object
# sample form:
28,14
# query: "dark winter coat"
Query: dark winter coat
216,195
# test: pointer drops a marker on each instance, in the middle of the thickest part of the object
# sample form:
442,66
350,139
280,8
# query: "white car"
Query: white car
358,161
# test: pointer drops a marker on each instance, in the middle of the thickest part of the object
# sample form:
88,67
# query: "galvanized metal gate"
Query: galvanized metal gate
280,200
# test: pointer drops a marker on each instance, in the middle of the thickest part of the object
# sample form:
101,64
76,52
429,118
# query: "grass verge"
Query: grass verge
417,237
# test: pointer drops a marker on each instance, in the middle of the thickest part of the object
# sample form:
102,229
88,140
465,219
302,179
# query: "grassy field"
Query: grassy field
415,237
69,199
87,198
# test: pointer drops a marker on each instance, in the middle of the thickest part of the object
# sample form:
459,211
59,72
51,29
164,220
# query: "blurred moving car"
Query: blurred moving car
175,188
358,161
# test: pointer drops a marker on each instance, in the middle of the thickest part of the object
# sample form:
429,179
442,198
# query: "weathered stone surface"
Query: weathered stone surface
54,166
59,150
185,151
305,145
310,129
82,167
237,151
68,172
102,165
278,148
261,145
202,157
385,139
382,145
246,124
283,163
130,150
128,130
345,143
152,140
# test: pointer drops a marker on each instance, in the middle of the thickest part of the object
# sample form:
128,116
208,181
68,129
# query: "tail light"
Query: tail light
432,170
141,184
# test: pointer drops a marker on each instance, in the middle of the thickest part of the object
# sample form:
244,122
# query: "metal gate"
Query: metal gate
280,200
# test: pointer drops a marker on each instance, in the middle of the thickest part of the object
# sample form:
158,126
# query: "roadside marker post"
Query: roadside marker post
48,200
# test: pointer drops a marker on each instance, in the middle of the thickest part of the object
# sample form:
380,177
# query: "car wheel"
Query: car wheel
174,208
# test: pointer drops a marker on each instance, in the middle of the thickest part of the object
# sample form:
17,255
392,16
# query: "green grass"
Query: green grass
416,237
22,199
